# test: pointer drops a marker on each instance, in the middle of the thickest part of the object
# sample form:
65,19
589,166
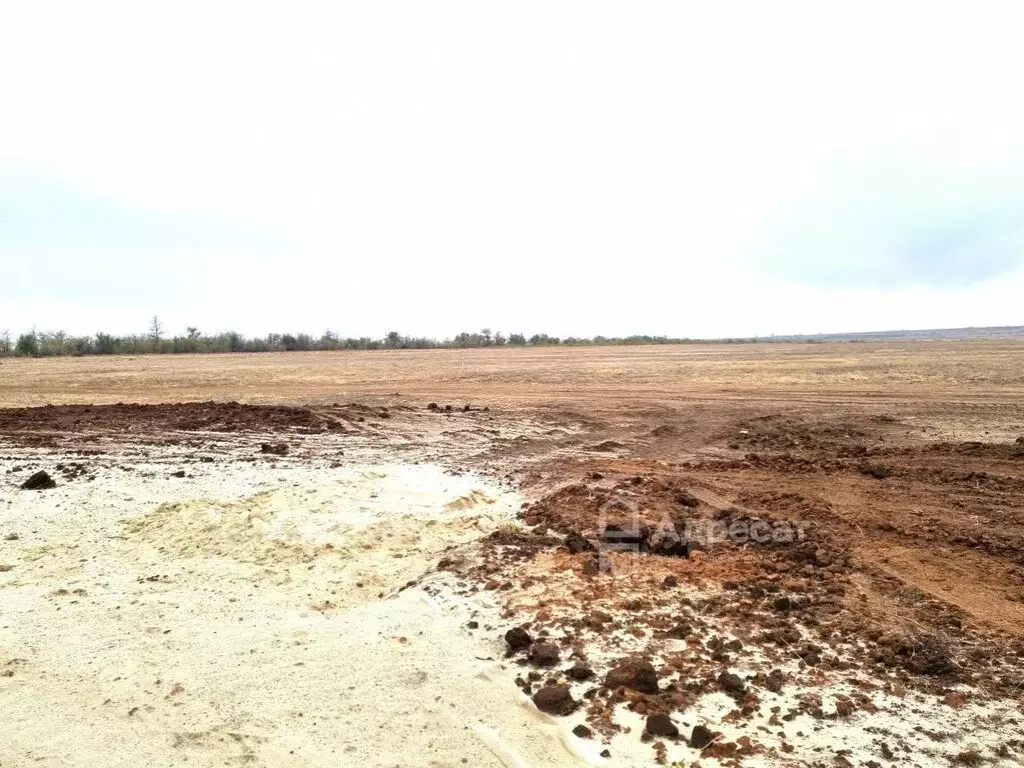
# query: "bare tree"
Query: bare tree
53,343
5,343
156,331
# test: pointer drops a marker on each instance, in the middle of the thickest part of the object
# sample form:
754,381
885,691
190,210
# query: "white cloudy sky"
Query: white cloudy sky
695,169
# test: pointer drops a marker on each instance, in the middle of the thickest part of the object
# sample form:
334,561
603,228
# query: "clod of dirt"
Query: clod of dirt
686,499
661,725
575,542
877,472
5,568
40,481
784,604
579,671
970,757
924,655
732,683
635,674
583,732
592,567
670,582
72,471
11,537
544,654
774,680
276,449
517,639
555,700
845,708
635,604
701,737
679,632
431,406
179,473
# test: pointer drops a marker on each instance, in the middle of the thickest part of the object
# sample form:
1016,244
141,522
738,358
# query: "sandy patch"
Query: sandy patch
247,615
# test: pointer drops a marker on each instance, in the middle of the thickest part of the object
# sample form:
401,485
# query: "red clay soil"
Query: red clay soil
909,564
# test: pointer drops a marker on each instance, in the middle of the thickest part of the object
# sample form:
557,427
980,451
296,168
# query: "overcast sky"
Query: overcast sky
691,169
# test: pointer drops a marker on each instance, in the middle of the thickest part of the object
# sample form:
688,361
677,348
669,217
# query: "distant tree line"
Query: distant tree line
156,341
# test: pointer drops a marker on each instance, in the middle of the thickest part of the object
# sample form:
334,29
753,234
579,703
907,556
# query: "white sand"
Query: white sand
233,617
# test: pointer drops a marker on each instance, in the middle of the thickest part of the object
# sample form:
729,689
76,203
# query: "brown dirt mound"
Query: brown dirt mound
846,578
211,416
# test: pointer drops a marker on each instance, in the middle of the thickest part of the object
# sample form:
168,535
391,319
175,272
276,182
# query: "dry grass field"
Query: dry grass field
940,371
314,490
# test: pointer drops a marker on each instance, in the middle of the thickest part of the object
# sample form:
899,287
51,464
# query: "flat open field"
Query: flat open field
925,371
817,548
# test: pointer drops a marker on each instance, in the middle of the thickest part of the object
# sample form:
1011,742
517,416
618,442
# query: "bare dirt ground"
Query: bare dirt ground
887,627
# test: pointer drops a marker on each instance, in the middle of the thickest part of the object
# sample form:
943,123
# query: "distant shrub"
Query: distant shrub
27,345
105,344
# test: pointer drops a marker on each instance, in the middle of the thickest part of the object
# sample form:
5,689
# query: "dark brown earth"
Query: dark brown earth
85,429
39,423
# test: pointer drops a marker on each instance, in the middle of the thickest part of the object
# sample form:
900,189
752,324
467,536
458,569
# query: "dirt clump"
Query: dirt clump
543,654
39,481
517,639
555,700
579,671
877,471
661,725
701,737
927,654
634,674
732,683
576,543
